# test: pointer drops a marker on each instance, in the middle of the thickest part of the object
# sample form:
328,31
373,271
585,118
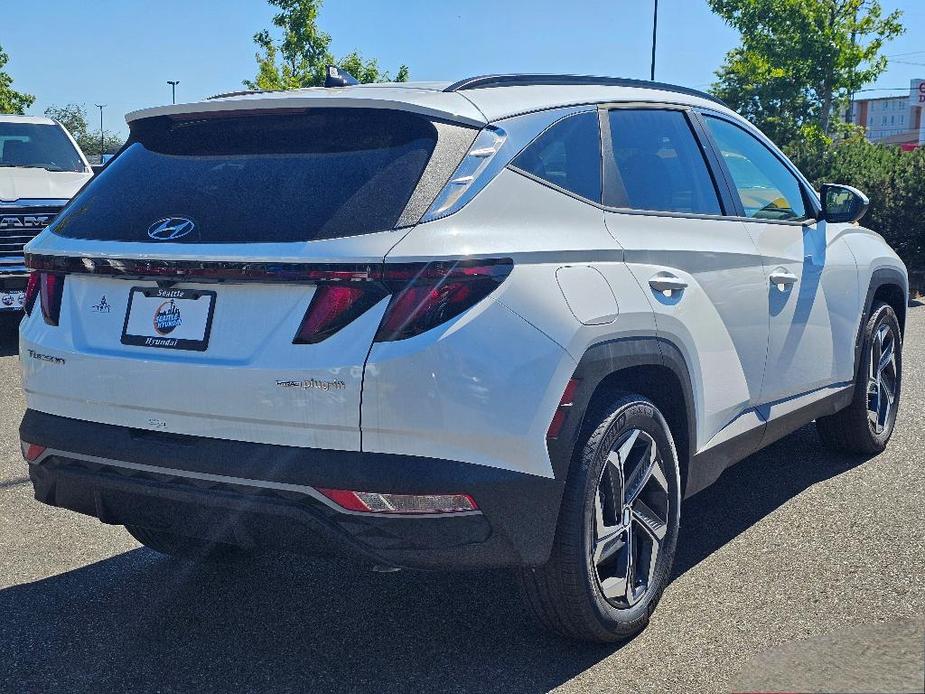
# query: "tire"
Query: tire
858,429
567,594
188,548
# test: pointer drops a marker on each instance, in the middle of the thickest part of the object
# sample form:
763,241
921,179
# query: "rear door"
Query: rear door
198,271
697,264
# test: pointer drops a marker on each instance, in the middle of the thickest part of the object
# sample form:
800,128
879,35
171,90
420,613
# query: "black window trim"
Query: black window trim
810,200
516,169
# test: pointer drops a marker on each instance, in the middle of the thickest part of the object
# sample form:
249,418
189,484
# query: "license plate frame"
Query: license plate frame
160,337
12,299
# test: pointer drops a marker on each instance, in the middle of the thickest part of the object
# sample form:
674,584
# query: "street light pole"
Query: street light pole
173,89
654,36
100,107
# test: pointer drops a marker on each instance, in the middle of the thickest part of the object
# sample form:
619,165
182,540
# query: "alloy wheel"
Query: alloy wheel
881,379
630,519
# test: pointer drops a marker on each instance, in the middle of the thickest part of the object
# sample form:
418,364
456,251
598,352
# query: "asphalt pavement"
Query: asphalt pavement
800,570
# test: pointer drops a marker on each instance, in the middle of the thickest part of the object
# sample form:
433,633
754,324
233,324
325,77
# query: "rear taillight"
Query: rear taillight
427,295
51,288
335,305
32,292
424,295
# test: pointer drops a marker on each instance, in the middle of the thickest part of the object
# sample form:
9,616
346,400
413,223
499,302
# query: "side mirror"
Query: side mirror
842,204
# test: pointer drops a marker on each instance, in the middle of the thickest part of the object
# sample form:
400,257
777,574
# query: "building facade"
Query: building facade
893,120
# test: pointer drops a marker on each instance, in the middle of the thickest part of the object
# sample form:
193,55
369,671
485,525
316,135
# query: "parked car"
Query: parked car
41,167
507,322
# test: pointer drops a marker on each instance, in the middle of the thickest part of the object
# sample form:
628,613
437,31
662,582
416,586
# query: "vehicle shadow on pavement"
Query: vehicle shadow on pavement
9,335
752,489
140,621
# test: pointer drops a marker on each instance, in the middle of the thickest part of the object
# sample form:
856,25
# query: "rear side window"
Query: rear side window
659,164
567,154
767,188
327,173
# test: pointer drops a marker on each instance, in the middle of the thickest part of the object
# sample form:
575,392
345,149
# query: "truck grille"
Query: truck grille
18,226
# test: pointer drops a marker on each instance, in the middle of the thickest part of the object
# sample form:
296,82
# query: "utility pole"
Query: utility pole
173,89
654,37
101,107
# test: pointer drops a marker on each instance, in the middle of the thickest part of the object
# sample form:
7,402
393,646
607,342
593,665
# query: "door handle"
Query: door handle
781,278
667,283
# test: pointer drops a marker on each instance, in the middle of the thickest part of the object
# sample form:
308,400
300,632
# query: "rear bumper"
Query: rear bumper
263,496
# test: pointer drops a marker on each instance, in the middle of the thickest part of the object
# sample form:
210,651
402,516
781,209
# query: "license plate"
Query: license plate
168,318
12,299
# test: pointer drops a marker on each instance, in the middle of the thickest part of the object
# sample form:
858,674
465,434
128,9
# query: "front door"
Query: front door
813,296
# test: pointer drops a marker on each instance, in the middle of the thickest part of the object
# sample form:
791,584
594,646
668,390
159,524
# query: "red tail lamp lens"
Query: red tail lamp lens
51,288
435,293
565,404
32,292
424,295
31,451
335,305
374,502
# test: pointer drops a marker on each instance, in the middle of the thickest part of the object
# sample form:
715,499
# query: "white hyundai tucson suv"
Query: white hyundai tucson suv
507,322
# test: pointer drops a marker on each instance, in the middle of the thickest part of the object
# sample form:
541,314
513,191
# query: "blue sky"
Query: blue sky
122,52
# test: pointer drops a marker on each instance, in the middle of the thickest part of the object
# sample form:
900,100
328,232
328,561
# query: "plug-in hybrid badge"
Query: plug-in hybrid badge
170,228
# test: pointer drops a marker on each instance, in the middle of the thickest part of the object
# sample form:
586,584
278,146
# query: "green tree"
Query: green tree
74,118
800,60
299,58
11,101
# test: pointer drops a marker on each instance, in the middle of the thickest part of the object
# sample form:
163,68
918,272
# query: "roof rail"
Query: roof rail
527,80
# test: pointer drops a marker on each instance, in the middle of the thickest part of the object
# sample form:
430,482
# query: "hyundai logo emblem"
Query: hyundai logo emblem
170,228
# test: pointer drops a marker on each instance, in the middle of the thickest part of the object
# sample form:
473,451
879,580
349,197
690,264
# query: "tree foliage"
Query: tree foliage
11,101
74,118
299,57
800,60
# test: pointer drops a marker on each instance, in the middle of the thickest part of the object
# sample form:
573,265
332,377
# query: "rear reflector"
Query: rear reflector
565,404
31,451
372,502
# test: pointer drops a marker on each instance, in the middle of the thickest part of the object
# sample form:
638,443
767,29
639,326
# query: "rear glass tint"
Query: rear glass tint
324,174
568,155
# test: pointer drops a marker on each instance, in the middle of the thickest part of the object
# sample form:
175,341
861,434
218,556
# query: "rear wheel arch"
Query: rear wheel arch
649,366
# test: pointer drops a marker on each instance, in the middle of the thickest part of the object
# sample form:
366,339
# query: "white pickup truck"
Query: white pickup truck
41,168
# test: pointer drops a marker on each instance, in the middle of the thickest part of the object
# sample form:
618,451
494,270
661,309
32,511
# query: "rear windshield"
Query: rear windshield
37,146
323,174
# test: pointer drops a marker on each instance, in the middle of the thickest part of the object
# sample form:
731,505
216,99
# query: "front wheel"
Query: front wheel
867,423
618,529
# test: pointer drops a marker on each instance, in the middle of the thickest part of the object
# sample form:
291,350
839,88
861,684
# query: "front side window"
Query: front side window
568,155
659,164
37,146
767,188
